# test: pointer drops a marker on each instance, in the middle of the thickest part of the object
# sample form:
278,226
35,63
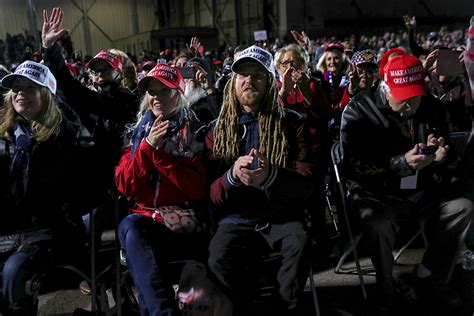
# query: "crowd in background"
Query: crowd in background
244,134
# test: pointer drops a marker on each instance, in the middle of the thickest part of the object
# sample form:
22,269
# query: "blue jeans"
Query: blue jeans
149,246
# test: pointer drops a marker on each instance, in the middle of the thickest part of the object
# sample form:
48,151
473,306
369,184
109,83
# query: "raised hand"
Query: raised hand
302,80
430,62
301,38
410,21
354,79
287,82
194,45
52,29
157,131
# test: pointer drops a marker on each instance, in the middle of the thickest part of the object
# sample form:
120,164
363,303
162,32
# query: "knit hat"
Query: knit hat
199,62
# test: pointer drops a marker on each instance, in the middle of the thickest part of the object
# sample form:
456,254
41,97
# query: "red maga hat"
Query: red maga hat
404,74
169,76
112,59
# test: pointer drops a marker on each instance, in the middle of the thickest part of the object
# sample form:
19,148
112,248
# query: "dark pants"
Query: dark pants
149,245
235,247
445,226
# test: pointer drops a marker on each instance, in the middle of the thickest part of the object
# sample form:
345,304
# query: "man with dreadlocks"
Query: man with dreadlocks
259,160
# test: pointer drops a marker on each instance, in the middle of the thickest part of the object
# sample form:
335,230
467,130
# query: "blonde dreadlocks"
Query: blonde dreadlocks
273,141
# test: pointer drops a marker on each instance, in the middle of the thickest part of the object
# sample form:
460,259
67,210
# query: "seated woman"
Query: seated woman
162,167
38,182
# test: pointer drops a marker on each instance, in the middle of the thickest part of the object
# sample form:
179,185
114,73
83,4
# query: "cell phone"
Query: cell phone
428,150
187,72
448,63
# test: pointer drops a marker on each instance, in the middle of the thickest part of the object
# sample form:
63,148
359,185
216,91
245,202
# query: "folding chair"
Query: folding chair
336,157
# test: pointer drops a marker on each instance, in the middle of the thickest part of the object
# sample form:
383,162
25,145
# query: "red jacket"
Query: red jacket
182,179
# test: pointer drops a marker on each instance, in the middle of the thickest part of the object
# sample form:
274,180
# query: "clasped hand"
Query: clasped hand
251,177
157,132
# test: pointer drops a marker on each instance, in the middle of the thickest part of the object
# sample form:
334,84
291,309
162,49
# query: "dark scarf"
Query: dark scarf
250,134
21,161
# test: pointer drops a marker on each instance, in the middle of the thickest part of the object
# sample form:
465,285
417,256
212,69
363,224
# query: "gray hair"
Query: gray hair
297,50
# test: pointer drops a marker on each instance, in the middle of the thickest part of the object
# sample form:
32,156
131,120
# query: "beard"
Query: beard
193,94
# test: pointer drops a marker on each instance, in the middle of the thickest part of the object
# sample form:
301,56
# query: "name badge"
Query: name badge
407,183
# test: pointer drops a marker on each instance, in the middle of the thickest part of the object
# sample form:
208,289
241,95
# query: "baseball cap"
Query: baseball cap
334,46
364,57
404,74
255,53
112,59
169,76
148,64
386,56
33,71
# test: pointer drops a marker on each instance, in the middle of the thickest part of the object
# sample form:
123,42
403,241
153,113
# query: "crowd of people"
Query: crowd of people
238,144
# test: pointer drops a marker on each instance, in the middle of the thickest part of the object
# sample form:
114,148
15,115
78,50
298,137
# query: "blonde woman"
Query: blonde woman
38,184
161,168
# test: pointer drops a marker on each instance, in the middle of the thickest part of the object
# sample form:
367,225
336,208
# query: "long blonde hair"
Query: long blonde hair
273,140
322,66
45,126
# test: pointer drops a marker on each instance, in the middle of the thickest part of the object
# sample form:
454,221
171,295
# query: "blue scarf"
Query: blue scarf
19,169
143,128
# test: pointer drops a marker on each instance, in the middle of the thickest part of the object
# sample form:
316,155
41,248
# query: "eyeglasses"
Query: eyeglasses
366,71
293,63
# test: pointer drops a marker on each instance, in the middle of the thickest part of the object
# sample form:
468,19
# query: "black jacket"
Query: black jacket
103,113
375,139
53,191
291,187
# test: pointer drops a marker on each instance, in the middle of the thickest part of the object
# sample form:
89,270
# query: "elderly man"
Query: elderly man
261,180
394,140
200,92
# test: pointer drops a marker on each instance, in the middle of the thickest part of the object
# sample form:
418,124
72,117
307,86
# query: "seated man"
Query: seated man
394,144
261,181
